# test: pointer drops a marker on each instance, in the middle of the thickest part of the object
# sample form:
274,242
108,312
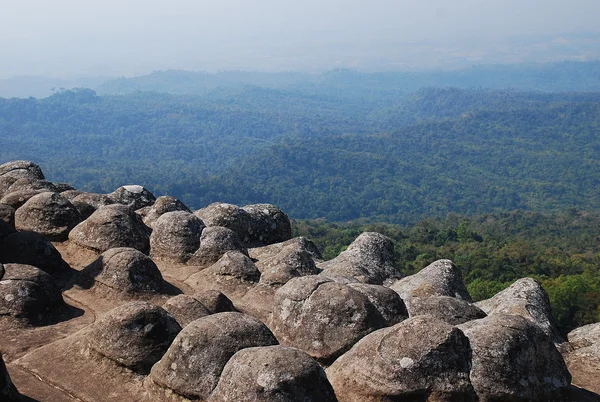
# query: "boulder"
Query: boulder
440,278
585,336
135,335
386,301
322,317
27,292
126,270
176,236
31,184
8,391
19,169
268,225
228,216
7,214
18,198
514,360
233,275
214,301
5,183
369,259
419,359
194,362
49,214
32,248
291,262
214,242
185,309
583,356
265,253
449,309
526,298
112,226
272,374
63,187
88,203
133,196
161,206
71,194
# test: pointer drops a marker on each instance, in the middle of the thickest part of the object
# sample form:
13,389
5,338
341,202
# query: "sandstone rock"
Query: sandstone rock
5,183
161,206
526,298
214,242
194,362
449,309
583,356
112,226
228,216
27,292
133,196
583,337
185,309
20,169
272,374
265,253
18,198
268,225
126,270
258,301
214,301
63,187
48,214
291,262
233,275
514,360
386,301
8,392
322,317
31,184
135,335
176,236
88,203
32,248
419,359
71,194
440,278
7,214
369,259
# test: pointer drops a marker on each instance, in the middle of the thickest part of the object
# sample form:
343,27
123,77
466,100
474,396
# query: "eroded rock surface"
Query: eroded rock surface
88,203
214,242
176,236
269,225
49,214
20,169
449,309
185,309
162,205
32,248
134,196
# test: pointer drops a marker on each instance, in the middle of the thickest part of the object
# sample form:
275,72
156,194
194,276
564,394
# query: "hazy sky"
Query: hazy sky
125,37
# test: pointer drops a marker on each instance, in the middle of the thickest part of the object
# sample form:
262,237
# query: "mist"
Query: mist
66,38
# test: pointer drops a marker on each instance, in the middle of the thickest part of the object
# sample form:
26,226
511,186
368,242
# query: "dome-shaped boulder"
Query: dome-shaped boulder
272,374
214,242
194,362
17,198
112,226
185,309
419,359
88,203
369,259
440,278
265,253
7,214
386,301
514,360
291,262
449,309
5,183
228,216
214,300
31,184
176,236
127,270
135,335
134,196
48,214
268,225
21,168
162,205
32,248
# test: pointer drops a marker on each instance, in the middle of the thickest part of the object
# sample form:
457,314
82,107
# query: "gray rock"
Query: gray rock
125,270
176,236
194,362
291,262
63,187
112,226
265,253
272,374
449,309
386,301
71,194
5,183
135,335
185,309
31,184
18,198
419,359
19,169
514,360
214,301
228,216
7,214
133,196
440,278
322,317
369,259
214,242
88,203
32,248
583,356
27,292
49,214
161,206
526,298
268,225
583,337
8,391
